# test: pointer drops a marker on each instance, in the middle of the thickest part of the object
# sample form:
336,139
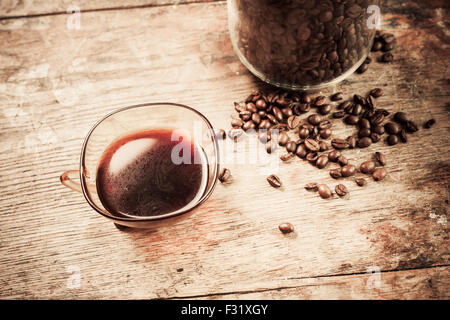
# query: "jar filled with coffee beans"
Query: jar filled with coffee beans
302,44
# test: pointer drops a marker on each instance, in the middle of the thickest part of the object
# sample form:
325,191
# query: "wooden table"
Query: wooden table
57,80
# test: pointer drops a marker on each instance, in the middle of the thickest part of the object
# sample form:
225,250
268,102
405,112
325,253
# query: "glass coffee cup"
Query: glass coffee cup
147,165
302,44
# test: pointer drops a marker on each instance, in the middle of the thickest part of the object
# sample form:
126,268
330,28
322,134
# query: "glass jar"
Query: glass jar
302,44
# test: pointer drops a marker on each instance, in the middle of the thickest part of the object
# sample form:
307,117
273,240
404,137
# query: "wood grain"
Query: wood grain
55,83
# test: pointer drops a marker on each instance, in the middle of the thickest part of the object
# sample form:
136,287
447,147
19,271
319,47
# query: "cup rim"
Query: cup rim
158,217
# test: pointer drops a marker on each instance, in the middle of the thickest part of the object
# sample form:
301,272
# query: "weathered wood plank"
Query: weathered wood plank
54,85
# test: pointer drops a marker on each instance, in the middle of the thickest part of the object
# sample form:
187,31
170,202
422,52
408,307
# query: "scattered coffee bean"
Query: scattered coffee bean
283,138
287,156
358,99
314,119
363,68
286,227
377,46
311,186
220,134
376,93
352,141
411,126
235,134
401,117
261,104
239,107
237,123
367,167
272,119
375,137
351,120
249,125
337,96
348,170
344,105
336,173
323,146
301,151
429,123
274,181
339,114
322,161
326,133
391,128
378,129
245,115
320,100
341,190
379,174
364,123
291,146
324,191
342,161
402,135
364,142
392,140
264,125
364,132
361,182
312,157
387,57
380,158
312,145
340,144
256,118
225,175
251,107
334,155
293,122
324,109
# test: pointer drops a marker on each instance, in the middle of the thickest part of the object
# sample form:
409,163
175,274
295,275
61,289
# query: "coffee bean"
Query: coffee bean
237,123
324,109
411,126
342,160
262,114
245,115
379,174
352,141
388,37
325,133
271,118
348,170
322,161
312,145
304,107
249,125
339,114
380,158
340,144
344,105
251,107
351,120
376,93
301,151
376,119
314,119
239,107
334,155
320,100
375,137
312,157
287,156
277,113
378,129
429,123
220,134
341,190
324,191
235,134
364,133
363,68
274,181
326,124
388,47
361,182
358,99
337,96
256,118
402,135
401,117
293,122
261,104
387,57
370,103
323,146
364,142
287,112
336,173
367,167
392,140
264,124
357,109
392,128
291,146
286,227
303,133
283,138
311,186
364,123
224,175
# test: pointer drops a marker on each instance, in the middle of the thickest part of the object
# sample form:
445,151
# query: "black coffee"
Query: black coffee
137,174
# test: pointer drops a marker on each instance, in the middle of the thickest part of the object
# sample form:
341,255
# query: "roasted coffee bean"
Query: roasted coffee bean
287,112
324,191
392,128
376,119
301,151
271,118
245,115
376,93
322,161
378,129
220,134
312,157
324,109
429,123
388,47
339,114
320,100
235,134
326,124
352,141
261,104
336,173
256,118
387,57
293,122
348,170
401,117
342,160
379,174
370,103
281,127
262,114
314,119
334,155
364,142
375,137
283,138
349,108
351,120
239,107
344,105
306,98
325,133
249,125
388,37
361,182
312,145
411,126
365,132
367,167
380,158
364,123
251,107
286,227
358,99
274,181
402,135
357,109
311,186
291,146
337,96
303,133
287,156
224,175
377,46
339,144
323,146
341,190
363,68
277,113
392,140
237,123
264,124
304,107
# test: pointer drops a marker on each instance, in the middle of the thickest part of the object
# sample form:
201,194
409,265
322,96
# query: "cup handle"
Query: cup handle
67,179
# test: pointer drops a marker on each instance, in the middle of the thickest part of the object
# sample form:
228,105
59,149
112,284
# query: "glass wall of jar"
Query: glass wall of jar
302,44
